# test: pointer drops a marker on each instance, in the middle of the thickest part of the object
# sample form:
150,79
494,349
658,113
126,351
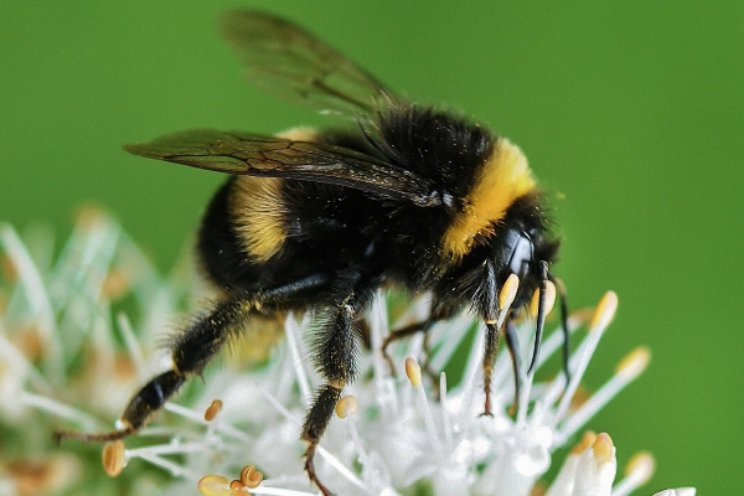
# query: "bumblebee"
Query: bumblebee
408,195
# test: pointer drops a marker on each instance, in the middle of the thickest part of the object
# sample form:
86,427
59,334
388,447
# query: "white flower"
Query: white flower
394,437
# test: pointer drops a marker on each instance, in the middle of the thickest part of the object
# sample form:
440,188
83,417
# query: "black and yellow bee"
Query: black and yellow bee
409,196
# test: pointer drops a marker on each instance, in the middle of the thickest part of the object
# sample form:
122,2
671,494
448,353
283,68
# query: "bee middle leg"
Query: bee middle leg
335,352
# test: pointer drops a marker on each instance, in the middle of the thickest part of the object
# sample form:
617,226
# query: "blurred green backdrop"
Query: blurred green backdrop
634,111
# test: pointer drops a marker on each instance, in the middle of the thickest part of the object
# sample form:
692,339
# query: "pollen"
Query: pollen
605,311
346,406
413,371
214,485
213,410
113,457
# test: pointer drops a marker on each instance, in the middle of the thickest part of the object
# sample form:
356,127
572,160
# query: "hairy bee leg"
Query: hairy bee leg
192,350
510,335
295,291
315,424
489,357
335,359
365,333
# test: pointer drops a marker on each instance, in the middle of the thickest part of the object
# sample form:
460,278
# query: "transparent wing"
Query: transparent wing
286,60
255,155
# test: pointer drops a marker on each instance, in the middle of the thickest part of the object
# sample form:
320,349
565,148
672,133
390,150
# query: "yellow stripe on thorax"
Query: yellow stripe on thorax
503,179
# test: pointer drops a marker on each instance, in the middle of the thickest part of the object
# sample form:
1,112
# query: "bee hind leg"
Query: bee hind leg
192,350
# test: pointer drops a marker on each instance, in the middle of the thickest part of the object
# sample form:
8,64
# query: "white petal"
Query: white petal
564,481
681,491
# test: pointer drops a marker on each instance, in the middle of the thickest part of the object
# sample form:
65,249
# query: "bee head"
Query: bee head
520,244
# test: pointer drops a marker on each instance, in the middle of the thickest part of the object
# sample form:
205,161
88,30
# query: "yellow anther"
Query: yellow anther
212,410
113,457
642,465
238,489
586,442
346,406
634,363
214,485
250,477
9,268
508,291
603,448
90,216
549,299
605,311
580,397
116,284
413,371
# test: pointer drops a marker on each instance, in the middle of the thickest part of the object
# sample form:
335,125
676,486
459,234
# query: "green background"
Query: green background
633,111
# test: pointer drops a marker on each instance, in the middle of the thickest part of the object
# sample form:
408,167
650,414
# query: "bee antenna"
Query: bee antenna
544,278
100,437
562,295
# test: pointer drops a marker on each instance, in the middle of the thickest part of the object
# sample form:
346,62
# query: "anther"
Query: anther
642,466
634,363
603,448
214,485
508,291
238,489
113,458
346,406
550,294
587,441
9,267
413,371
116,284
250,477
605,311
212,410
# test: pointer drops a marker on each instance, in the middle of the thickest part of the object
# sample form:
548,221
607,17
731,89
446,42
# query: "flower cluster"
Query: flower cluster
80,328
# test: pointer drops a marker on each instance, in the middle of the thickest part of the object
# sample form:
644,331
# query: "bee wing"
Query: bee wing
286,60
255,155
